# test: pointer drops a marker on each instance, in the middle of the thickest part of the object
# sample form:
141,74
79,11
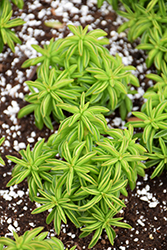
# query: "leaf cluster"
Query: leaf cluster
7,36
85,183
143,17
32,240
73,65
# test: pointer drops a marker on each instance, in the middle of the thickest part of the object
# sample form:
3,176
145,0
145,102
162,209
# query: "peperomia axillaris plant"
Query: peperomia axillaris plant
84,179
32,166
78,75
143,16
32,240
7,36
156,47
76,64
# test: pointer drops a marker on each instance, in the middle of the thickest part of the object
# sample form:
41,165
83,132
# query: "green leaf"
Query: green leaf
43,208
90,204
31,234
96,237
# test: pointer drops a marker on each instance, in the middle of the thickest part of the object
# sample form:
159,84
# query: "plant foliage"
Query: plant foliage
32,240
88,67
7,36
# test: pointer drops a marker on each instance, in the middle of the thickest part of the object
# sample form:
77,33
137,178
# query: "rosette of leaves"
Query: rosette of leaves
1,160
99,218
49,57
111,84
157,97
159,156
52,88
33,167
8,36
76,166
55,197
152,120
82,41
133,148
121,157
142,19
32,240
161,80
86,124
156,47
76,49
105,192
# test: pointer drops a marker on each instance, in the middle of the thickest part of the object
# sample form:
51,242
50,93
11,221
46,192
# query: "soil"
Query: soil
147,216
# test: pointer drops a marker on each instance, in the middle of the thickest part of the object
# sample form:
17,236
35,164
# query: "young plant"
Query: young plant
161,81
74,166
86,45
153,120
157,47
8,36
1,160
50,55
32,166
53,88
88,119
55,197
142,19
119,156
32,240
99,218
111,83
159,158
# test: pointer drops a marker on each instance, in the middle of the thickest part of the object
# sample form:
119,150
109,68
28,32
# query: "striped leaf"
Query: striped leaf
96,237
43,208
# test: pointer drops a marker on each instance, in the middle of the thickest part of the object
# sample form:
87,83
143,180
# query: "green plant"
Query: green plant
82,179
32,240
161,81
157,47
142,19
32,166
18,3
122,156
8,36
50,55
159,158
56,197
1,160
87,67
75,74
100,218
152,119
53,88
111,84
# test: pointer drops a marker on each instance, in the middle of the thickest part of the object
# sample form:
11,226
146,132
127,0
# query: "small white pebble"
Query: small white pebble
9,221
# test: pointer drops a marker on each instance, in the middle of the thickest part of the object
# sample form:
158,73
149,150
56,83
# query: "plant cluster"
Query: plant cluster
77,81
32,240
85,183
77,75
7,36
147,20
71,66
